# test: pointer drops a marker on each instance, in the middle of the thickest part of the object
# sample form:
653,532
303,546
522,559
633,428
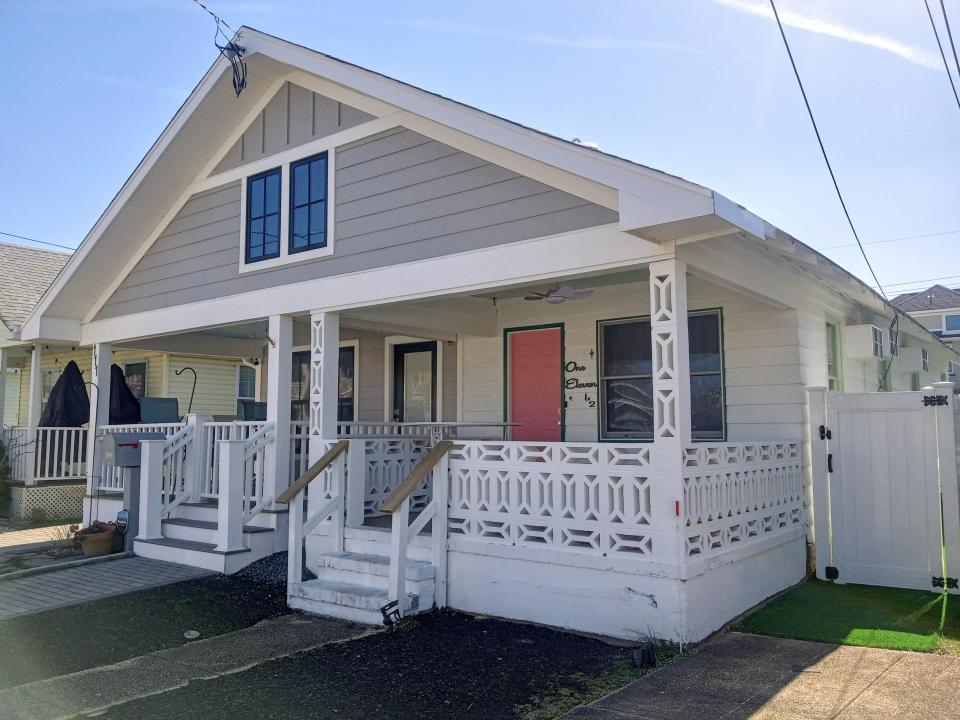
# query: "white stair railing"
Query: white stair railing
255,497
403,531
332,494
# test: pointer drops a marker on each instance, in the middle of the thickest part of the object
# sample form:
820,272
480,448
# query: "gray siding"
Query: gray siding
400,197
293,116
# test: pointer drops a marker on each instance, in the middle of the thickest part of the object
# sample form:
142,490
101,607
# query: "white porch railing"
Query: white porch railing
380,430
255,497
46,453
737,493
110,478
176,473
213,433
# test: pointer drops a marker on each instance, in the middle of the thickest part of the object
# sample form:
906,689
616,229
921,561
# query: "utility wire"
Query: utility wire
41,242
946,21
946,65
823,149
892,240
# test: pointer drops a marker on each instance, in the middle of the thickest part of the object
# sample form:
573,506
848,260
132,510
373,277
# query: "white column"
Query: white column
99,389
324,380
230,500
151,489
671,354
34,406
4,352
279,371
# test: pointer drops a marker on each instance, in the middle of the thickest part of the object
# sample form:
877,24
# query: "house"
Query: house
529,378
55,489
938,309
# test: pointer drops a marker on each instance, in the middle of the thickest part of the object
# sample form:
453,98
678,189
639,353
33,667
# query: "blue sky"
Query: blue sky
697,88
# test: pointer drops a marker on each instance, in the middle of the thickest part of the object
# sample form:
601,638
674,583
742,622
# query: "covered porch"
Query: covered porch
665,468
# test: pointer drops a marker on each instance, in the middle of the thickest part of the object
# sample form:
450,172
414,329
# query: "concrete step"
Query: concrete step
376,541
200,530
374,571
345,600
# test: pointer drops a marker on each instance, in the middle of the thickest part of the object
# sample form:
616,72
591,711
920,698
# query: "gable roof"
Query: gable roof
936,297
653,205
25,274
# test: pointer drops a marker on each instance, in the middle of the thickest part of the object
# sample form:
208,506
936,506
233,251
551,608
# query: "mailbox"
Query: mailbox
123,449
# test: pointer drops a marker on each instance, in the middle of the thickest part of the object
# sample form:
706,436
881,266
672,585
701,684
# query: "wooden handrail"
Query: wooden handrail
416,476
310,474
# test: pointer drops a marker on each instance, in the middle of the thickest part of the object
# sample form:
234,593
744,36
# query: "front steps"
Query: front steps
190,538
352,585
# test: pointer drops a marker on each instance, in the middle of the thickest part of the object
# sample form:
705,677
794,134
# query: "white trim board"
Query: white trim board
574,253
388,344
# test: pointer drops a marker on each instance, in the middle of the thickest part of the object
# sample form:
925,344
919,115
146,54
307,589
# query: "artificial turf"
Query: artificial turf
862,615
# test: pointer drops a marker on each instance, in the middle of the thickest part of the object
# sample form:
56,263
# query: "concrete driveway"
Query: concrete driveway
749,676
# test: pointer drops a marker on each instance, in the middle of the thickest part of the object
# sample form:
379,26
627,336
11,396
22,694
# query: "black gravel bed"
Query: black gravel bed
102,632
440,665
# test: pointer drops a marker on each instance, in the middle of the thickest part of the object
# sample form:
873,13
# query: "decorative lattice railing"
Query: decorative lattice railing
737,493
591,498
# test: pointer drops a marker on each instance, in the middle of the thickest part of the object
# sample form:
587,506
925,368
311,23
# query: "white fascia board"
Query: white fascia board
660,205
53,330
31,327
600,167
568,254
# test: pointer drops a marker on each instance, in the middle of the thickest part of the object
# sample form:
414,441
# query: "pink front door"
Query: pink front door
535,377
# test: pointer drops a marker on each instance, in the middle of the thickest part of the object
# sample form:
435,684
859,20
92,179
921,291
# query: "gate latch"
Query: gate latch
825,433
929,400
938,582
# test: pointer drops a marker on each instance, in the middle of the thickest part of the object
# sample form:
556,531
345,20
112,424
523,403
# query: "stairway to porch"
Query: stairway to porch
191,536
353,583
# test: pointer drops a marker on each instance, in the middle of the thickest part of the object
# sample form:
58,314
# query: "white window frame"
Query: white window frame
256,386
894,341
876,336
837,328
924,360
286,257
943,323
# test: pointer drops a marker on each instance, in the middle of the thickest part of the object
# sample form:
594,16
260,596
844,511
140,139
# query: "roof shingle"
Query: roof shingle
25,274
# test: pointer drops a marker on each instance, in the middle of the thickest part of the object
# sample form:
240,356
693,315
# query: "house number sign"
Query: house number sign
580,384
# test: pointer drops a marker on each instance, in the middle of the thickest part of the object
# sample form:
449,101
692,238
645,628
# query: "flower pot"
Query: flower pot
97,544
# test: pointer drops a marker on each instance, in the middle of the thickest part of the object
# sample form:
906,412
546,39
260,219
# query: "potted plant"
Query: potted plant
96,539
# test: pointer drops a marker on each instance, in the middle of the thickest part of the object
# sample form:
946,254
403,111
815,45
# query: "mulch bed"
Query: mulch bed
106,631
440,665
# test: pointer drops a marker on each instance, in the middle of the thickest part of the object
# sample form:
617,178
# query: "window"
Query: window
48,378
951,323
626,378
924,360
833,357
894,340
952,371
308,204
136,376
300,386
877,342
246,382
263,216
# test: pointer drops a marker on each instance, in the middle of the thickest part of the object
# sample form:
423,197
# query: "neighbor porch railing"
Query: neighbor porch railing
46,453
110,477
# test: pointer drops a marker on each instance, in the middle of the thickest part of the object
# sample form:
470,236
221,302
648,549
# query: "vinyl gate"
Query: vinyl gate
886,508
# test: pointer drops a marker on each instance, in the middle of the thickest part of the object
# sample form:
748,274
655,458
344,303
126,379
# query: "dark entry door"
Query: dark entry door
415,382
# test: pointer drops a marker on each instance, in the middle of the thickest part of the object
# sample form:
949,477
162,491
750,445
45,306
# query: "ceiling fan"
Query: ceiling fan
558,294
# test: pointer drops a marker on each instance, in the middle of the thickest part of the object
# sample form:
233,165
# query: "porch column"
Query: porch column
34,407
3,383
671,359
99,389
279,371
324,380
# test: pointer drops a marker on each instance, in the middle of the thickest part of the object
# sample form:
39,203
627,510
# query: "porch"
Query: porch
658,470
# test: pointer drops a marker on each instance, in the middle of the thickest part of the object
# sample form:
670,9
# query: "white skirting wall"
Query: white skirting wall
51,500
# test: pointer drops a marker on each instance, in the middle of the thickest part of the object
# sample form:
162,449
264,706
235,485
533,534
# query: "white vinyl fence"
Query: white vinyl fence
885,487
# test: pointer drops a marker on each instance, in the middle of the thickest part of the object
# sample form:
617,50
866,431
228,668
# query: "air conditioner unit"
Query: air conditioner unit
863,342
911,359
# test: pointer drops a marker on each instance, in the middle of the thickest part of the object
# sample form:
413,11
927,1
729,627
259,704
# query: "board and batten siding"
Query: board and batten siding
293,116
765,394
400,197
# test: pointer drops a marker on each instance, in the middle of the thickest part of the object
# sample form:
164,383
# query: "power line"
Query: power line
922,283
40,242
946,21
823,149
893,240
946,65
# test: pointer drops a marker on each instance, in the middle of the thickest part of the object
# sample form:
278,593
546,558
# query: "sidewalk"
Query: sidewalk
763,678
20,539
72,585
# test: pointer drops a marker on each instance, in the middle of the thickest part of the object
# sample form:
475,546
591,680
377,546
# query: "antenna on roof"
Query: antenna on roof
230,50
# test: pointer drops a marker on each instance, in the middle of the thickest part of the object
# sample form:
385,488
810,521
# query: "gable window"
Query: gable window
308,204
951,323
263,216
626,378
833,357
